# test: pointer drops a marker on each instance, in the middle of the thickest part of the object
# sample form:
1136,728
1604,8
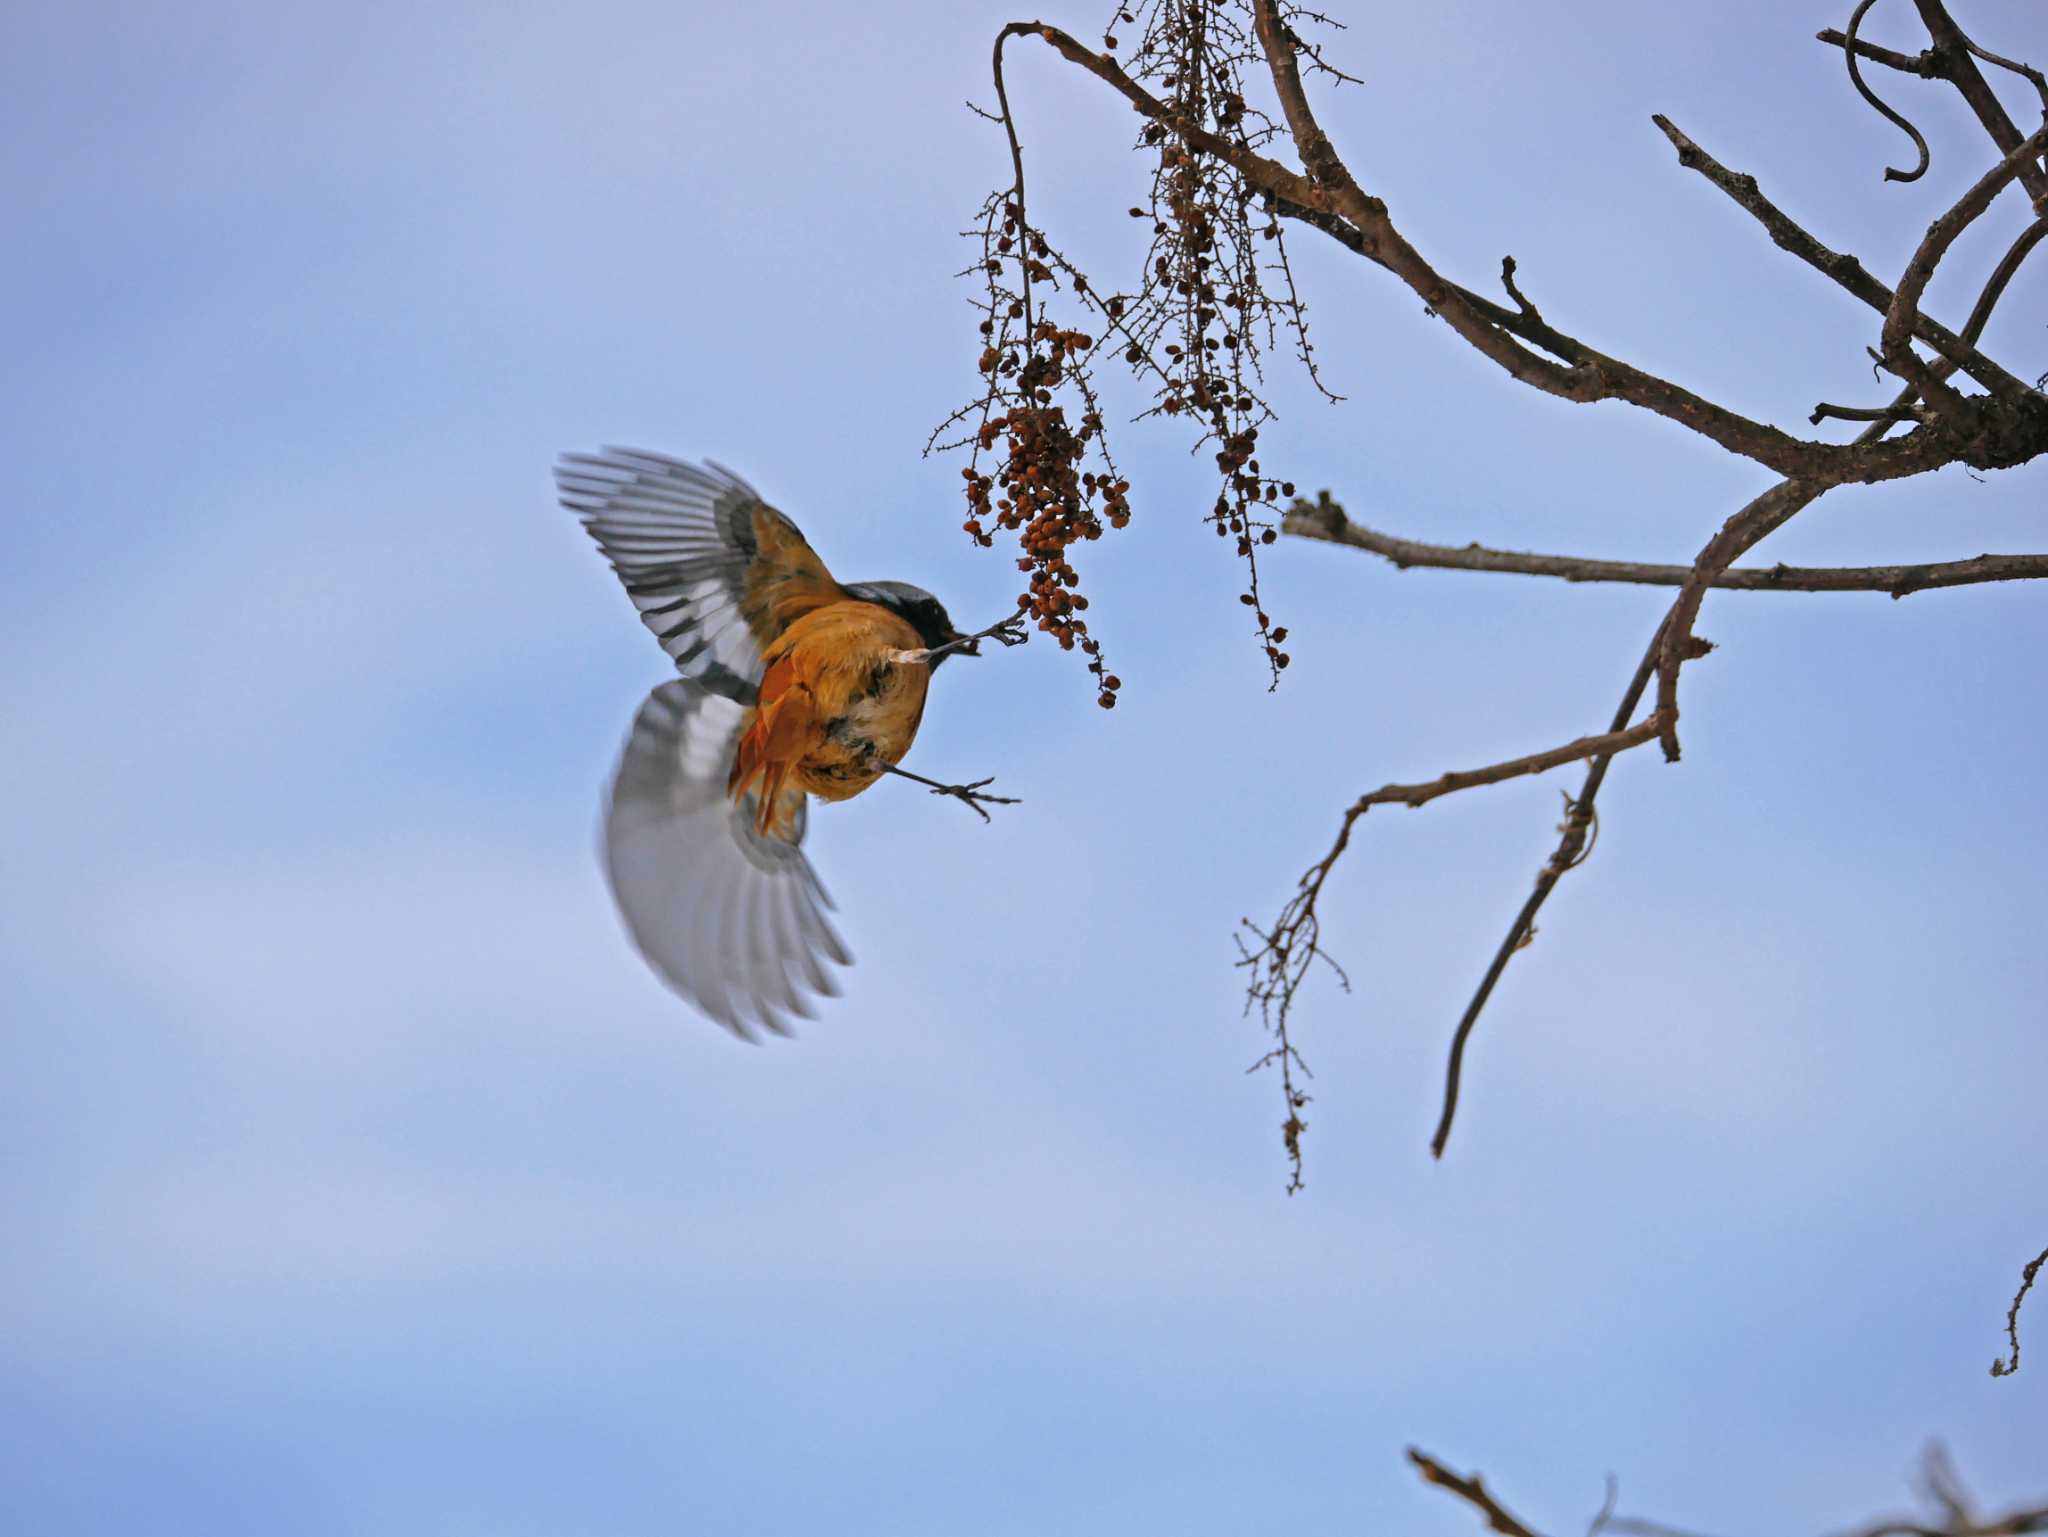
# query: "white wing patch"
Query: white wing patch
680,537
731,918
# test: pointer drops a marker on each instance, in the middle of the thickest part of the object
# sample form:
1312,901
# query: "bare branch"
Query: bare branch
1744,530
1921,64
1606,744
1473,1492
1010,632
1844,268
1326,521
1929,424
2011,1364
1952,49
2027,72
1573,845
1901,320
1591,375
1943,1490
1330,197
1949,59
1580,818
1288,949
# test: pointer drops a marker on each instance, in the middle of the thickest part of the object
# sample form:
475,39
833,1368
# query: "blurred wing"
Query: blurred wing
715,571
731,918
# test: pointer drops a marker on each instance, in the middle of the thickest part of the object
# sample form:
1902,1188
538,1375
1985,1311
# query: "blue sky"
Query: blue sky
360,1179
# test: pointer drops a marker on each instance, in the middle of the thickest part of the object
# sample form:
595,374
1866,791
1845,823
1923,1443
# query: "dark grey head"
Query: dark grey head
926,614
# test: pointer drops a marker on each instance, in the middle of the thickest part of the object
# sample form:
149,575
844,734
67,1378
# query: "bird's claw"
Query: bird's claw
973,797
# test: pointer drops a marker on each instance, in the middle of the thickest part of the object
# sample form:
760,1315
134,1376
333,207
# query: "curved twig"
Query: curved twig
1009,120
2011,1364
1856,78
1748,527
2026,72
1570,853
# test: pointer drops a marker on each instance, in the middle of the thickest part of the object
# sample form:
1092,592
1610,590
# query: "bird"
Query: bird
790,686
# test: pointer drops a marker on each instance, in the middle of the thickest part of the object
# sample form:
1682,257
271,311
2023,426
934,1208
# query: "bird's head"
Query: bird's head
925,613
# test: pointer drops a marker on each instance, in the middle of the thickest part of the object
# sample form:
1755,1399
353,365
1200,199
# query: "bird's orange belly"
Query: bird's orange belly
870,731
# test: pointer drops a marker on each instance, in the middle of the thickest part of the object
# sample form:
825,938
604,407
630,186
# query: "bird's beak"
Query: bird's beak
972,648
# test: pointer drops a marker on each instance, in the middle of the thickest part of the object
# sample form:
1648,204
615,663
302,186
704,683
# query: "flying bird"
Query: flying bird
791,685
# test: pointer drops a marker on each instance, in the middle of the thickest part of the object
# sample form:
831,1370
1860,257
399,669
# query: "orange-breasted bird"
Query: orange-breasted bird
792,685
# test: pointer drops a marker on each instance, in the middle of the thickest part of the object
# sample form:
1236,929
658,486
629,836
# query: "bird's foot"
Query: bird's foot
974,797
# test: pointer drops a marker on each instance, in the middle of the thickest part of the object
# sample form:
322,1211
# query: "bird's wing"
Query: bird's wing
715,571
731,917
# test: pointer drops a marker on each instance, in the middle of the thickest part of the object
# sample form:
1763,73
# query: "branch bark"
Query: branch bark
1842,267
2011,1363
1331,196
1328,523
1952,56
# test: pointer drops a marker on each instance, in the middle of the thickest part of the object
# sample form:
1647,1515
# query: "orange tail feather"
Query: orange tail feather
774,743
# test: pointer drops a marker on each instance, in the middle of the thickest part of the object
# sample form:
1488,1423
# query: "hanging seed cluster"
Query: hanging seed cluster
1218,290
1039,468
1213,296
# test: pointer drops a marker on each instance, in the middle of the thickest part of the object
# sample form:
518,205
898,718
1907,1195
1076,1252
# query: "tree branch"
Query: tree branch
1902,318
1943,1491
1606,744
1326,521
1952,55
1573,845
1472,1491
1741,532
1286,951
1843,268
1922,64
1330,196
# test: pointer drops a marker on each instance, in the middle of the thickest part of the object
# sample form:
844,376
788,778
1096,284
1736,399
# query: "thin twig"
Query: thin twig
1953,51
1742,532
1921,64
1572,843
1856,78
1842,267
1570,853
2011,1364
1009,631
1473,1491
1901,319
1327,522
1606,744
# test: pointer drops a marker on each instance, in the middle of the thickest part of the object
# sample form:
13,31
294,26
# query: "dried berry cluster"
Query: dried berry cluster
1029,473
1040,492
1213,294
